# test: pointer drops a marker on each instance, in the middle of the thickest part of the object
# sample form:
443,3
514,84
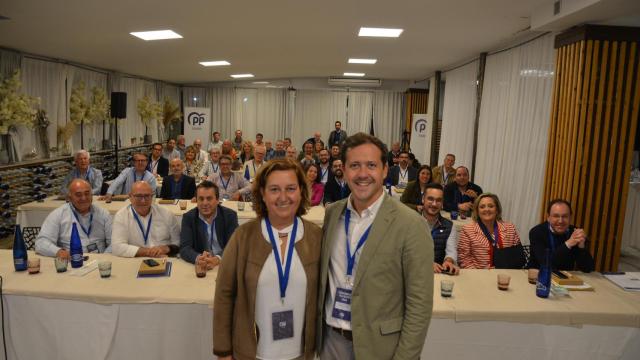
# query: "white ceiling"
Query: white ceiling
272,39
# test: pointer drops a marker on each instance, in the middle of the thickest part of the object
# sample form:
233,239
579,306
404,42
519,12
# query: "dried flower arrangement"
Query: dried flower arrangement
16,108
149,110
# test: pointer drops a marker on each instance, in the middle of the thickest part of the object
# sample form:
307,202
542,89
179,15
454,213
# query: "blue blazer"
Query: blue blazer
193,239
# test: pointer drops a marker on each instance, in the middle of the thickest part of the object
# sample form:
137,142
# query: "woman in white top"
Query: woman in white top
266,290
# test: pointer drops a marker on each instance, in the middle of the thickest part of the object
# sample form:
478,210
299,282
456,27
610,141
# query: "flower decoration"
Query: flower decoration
79,107
170,112
148,110
15,108
100,105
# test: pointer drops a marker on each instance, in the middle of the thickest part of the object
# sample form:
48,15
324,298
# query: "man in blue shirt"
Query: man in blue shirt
83,170
138,172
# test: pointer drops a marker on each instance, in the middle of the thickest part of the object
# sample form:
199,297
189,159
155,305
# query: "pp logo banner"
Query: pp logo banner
196,119
197,123
420,127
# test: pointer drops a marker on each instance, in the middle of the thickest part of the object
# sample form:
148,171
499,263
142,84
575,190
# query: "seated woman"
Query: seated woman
413,193
247,152
192,166
316,187
489,242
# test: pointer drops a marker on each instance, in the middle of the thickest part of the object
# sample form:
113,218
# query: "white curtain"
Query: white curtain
514,119
46,81
131,127
359,112
318,110
9,62
93,133
459,114
387,116
261,111
223,111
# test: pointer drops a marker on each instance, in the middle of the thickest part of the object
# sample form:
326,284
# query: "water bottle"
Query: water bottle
75,247
19,251
543,286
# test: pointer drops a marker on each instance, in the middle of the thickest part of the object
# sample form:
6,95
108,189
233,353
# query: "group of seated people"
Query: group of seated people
487,241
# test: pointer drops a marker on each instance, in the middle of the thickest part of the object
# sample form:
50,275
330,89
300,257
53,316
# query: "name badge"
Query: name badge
92,248
342,304
282,324
225,197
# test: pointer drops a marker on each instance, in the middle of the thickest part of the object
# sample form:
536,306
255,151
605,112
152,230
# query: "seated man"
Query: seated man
325,166
445,174
201,154
460,195
444,234
144,228
170,152
336,187
213,165
270,152
206,229
138,172
231,185
291,153
93,223
158,165
252,166
307,155
402,173
177,185
567,243
83,171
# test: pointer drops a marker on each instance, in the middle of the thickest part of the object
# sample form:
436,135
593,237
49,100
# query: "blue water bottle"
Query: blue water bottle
19,251
543,286
75,247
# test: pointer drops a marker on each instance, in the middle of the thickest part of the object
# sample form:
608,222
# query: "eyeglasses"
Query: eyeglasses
140,160
141,197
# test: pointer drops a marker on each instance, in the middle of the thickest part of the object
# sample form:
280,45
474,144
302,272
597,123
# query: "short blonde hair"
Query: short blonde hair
496,201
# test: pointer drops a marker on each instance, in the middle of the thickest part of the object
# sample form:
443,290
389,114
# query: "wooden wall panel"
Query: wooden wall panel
595,110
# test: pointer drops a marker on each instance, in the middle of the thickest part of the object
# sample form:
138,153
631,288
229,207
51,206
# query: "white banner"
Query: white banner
421,128
197,125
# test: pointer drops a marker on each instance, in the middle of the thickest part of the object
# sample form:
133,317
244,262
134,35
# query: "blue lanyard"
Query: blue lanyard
176,188
154,166
145,235
135,178
215,168
341,189
351,258
213,231
86,177
283,276
222,181
323,173
86,231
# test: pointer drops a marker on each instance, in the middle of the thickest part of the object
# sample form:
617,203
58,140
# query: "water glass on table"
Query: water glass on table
105,269
446,288
503,281
33,266
61,264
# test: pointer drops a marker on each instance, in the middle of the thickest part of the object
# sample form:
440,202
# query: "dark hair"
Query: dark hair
216,132
260,183
433,186
405,152
225,157
426,167
208,185
338,122
559,201
309,165
139,154
464,167
169,139
453,156
361,139
156,144
260,134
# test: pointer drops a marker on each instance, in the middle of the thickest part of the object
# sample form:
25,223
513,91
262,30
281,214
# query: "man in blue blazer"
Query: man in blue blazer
206,229
178,185
401,174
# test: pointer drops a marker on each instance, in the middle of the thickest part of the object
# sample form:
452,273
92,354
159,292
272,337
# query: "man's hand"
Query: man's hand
155,251
577,238
212,260
465,206
63,254
470,193
437,268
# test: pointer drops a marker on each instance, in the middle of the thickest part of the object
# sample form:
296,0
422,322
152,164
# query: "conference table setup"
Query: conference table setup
71,315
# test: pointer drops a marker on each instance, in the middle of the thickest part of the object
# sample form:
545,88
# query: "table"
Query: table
34,213
166,318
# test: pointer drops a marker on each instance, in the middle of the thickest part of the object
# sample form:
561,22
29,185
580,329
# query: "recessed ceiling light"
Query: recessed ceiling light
215,63
240,76
157,35
379,32
362,61
354,74
260,82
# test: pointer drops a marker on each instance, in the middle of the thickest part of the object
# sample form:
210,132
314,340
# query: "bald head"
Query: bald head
79,194
141,197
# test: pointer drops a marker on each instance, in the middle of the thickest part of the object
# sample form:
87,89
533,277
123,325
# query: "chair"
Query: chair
29,234
527,254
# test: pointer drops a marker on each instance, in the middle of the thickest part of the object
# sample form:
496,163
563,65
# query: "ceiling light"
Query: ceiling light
215,63
362,61
260,82
157,35
379,32
240,76
353,74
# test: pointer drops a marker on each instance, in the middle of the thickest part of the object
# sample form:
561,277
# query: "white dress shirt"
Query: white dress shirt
338,262
127,236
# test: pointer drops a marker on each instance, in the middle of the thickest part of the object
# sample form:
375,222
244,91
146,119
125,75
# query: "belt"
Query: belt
347,334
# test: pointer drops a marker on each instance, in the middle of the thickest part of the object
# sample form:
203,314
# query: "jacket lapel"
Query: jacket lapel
379,228
330,229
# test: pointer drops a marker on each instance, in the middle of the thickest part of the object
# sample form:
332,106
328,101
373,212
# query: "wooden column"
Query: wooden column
596,99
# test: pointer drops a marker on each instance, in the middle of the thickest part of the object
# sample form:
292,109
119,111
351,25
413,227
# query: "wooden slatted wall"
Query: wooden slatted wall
596,99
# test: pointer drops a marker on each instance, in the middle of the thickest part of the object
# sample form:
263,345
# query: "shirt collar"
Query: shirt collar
203,218
371,211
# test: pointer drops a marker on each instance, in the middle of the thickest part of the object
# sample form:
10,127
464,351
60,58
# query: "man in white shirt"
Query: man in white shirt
144,228
252,166
83,170
375,280
170,151
216,141
93,223
138,172
325,167
201,155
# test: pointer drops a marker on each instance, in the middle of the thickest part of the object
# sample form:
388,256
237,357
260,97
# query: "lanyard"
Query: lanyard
135,178
445,174
145,235
153,165
215,168
86,177
323,173
341,188
495,242
213,231
222,181
283,276
404,175
176,188
351,258
86,231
